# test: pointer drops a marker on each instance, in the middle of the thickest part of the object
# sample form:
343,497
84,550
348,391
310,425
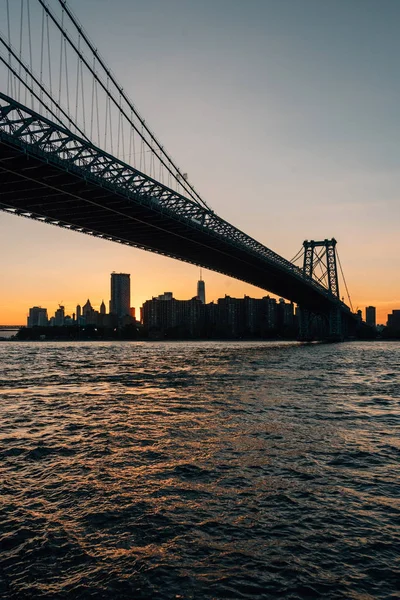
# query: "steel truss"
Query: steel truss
325,260
51,142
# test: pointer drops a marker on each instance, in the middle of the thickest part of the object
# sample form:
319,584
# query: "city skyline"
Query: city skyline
120,303
314,122
198,289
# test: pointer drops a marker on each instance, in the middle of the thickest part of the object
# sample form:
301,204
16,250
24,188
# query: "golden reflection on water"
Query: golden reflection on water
199,468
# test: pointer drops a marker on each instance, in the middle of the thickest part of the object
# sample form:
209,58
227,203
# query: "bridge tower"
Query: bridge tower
320,264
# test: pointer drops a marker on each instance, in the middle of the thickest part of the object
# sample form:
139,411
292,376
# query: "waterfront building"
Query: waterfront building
78,313
165,316
231,317
270,315
37,317
228,318
102,308
393,321
120,302
370,316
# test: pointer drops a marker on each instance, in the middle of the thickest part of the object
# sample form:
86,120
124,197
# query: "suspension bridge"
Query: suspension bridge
76,153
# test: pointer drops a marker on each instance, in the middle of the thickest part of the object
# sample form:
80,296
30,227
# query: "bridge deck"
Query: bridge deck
41,184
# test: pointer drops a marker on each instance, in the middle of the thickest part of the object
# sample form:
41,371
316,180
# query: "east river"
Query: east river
164,471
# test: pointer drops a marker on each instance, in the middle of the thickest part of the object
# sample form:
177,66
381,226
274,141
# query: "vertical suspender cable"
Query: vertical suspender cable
9,78
66,75
119,130
111,131
41,54
61,60
92,106
49,54
30,50
106,123
21,26
131,151
83,100
123,140
78,62
97,113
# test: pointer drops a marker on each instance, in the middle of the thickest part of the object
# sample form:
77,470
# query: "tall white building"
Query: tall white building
120,302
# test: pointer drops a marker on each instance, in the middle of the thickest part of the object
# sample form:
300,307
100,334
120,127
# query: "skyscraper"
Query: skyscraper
37,317
59,316
370,316
120,302
201,289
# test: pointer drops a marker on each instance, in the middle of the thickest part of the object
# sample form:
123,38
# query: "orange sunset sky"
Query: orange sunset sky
284,115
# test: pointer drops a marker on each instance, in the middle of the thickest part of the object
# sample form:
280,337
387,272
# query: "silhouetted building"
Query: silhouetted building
165,296
201,290
37,317
120,302
78,313
285,314
231,317
370,316
247,317
394,320
167,317
102,308
164,316
59,316
89,314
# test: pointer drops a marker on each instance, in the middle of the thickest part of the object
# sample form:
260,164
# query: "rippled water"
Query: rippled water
199,470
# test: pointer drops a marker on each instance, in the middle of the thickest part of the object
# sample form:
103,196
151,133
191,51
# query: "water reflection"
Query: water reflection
203,470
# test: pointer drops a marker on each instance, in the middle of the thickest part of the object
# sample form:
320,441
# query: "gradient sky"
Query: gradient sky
285,115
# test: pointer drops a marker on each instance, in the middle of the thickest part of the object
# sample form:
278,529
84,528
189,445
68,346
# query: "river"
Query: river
199,470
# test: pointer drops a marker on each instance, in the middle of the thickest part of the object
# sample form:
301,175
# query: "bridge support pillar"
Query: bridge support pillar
305,318
335,325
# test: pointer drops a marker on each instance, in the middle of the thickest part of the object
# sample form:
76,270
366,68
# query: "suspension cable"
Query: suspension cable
300,252
344,280
102,63
9,79
30,46
110,97
14,72
40,85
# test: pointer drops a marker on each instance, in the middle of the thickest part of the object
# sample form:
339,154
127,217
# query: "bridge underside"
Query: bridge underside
33,187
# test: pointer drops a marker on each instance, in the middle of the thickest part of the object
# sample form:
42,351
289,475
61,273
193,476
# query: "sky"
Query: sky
284,114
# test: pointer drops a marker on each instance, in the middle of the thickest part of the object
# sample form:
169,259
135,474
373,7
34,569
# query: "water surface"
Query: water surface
199,470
